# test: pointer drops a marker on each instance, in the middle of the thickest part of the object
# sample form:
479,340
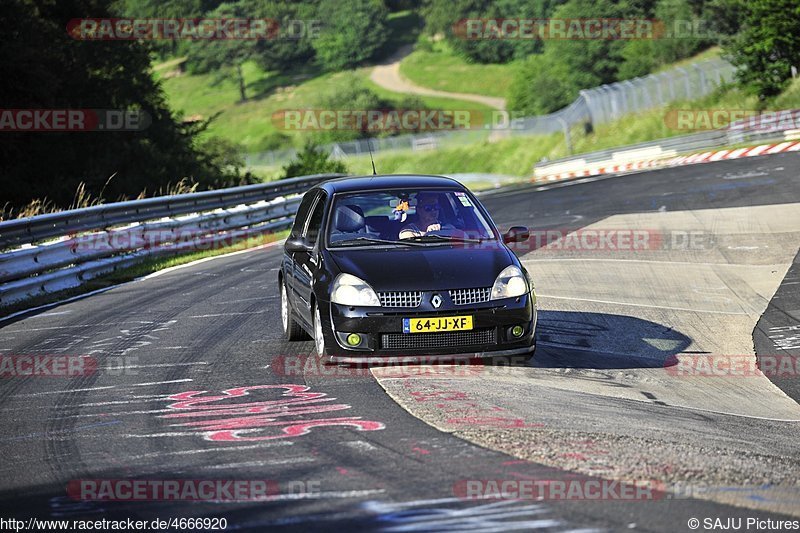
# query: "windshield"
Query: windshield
401,217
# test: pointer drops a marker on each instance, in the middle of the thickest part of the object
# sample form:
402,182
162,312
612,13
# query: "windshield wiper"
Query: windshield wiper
443,238
365,240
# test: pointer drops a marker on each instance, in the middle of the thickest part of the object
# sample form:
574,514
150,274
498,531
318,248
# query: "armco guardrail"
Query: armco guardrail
97,240
609,160
32,229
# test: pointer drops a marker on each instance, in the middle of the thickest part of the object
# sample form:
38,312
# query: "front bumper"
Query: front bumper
381,330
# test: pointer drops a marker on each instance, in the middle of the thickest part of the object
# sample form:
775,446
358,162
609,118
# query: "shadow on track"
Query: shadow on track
568,339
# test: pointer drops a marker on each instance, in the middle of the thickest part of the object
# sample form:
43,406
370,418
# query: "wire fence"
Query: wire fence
593,106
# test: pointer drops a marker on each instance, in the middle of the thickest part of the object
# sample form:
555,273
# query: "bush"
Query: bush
543,84
312,160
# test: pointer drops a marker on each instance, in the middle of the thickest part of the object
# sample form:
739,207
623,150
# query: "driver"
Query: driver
427,215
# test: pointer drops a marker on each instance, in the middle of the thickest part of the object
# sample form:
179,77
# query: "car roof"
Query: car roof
388,181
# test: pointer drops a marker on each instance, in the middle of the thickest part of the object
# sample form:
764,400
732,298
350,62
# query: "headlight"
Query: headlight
350,290
509,284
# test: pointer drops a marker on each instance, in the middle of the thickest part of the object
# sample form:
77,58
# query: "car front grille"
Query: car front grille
454,339
400,298
470,296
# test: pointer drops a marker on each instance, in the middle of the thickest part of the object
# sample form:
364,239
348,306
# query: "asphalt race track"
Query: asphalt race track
616,391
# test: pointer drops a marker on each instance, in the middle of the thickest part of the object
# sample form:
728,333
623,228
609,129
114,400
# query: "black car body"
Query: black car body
346,272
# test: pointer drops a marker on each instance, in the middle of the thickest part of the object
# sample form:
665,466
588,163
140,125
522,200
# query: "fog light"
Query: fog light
517,331
354,339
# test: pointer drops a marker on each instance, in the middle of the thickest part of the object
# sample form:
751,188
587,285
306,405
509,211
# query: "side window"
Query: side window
314,223
302,214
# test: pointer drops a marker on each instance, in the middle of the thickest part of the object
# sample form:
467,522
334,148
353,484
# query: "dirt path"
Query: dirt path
388,76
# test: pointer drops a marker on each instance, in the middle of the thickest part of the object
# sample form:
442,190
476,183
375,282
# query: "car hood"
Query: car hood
424,268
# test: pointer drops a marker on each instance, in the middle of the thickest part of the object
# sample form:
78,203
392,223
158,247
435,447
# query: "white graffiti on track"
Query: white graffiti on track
451,514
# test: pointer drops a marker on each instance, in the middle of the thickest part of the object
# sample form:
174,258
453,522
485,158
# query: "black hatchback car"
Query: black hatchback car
403,265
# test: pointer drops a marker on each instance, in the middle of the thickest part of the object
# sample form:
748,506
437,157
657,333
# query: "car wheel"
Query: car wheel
319,336
291,329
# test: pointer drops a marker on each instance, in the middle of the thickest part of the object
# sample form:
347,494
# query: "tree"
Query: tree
297,24
223,56
767,46
352,33
312,160
447,17
44,68
685,34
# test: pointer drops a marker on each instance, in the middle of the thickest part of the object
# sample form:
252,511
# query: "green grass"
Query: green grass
790,98
438,67
250,123
148,266
709,53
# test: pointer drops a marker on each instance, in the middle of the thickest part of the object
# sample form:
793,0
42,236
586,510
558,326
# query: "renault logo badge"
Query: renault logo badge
436,301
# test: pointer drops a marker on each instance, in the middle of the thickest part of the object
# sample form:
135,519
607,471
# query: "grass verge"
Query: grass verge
436,66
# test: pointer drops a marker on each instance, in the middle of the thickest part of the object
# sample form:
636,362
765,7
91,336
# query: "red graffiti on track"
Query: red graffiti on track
228,420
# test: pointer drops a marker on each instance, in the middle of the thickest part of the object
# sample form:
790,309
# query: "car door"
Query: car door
288,266
307,262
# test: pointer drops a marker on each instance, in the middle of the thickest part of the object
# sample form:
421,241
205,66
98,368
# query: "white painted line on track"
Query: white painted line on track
32,394
55,313
639,305
214,315
185,380
360,445
325,495
73,326
155,365
168,434
266,462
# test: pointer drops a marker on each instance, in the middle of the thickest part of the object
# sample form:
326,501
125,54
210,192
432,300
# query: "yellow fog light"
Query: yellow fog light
354,339
517,331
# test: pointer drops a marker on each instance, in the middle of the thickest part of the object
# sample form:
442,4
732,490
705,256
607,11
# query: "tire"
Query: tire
319,334
292,331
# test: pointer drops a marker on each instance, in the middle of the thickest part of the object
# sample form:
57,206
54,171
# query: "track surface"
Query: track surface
214,327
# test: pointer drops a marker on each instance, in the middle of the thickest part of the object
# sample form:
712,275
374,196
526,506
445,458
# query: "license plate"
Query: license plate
439,323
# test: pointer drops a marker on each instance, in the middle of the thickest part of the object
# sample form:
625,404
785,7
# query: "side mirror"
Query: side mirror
516,234
296,245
